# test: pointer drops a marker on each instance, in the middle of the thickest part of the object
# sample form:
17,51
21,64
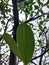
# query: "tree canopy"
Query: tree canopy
36,16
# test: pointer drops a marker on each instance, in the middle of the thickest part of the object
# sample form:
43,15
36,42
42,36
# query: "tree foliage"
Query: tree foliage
35,17
25,43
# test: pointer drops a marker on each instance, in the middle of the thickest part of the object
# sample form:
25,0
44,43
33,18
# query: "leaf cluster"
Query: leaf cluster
24,47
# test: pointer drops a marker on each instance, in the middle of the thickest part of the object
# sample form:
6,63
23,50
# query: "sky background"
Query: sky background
22,17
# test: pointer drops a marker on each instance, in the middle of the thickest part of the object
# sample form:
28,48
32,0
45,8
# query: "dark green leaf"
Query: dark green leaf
48,16
0,29
38,2
13,45
26,42
3,22
47,6
2,44
40,43
40,33
40,26
41,22
36,7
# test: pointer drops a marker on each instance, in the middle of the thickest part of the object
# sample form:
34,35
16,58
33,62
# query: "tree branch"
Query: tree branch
31,19
39,55
16,22
33,63
5,27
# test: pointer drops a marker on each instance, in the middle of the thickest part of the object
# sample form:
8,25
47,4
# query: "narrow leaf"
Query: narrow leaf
13,45
0,29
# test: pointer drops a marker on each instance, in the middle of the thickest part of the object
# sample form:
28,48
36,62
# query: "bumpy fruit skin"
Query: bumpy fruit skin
26,42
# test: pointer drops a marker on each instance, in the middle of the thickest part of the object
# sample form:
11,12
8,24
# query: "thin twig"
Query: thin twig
31,19
40,55
33,62
5,27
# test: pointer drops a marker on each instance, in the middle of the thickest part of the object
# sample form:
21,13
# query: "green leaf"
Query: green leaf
47,6
26,42
38,2
40,33
41,22
40,26
13,45
2,44
0,29
36,7
0,35
48,16
40,43
3,22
